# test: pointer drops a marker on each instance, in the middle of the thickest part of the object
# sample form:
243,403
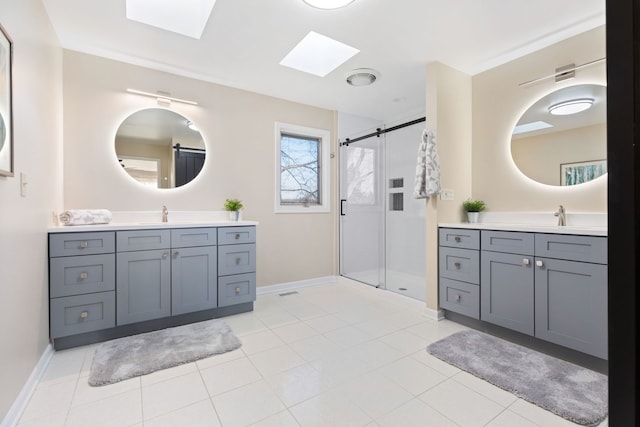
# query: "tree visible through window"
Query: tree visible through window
299,170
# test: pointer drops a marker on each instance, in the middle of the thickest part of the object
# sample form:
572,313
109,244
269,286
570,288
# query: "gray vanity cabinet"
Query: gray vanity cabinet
507,280
571,296
194,270
236,265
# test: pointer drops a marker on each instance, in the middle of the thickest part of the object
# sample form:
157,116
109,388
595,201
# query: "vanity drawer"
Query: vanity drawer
82,313
191,237
82,275
573,248
461,297
71,244
460,238
460,264
236,289
236,235
143,240
511,242
236,259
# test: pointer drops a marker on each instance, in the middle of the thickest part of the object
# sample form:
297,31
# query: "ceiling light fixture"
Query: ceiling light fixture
328,4
318,55
572,106
362,77
161,97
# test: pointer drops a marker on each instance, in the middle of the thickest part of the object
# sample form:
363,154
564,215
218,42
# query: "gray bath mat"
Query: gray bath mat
129,357
570,391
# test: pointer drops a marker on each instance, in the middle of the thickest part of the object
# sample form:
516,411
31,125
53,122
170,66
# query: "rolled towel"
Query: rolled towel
85,216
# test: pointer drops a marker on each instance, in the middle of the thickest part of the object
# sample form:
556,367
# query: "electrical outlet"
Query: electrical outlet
446,194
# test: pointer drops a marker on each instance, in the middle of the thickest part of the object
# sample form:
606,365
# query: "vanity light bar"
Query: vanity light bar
161,97
564,71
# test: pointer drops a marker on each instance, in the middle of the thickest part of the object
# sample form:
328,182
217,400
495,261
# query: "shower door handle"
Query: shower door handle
342,207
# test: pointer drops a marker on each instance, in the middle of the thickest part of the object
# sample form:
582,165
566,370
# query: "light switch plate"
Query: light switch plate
446,194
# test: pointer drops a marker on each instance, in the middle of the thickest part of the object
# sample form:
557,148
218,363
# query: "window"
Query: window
302,180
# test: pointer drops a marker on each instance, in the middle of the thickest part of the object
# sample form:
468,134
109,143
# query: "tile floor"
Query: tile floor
338,354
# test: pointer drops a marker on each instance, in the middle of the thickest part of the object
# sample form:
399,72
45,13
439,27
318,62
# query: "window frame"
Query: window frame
324,168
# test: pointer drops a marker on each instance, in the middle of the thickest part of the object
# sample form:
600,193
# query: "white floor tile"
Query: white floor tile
260,341
49,399
305,311
433,362
170,395
247,405
376,353
246,323
461,404
121,410
281,318
412,375
498,395
329,409
316,347
219,359
405,342
86,393
341,368
297,384
281,419
415,414
326,323
537,415
277,360
199,414
510,419
166,374
294,332
51,420
229,376
375,394
348,336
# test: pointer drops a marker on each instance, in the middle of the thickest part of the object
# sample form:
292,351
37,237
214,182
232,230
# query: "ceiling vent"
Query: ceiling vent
362,77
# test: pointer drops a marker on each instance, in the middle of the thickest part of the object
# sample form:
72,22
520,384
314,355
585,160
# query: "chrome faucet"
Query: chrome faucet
165,214
562,218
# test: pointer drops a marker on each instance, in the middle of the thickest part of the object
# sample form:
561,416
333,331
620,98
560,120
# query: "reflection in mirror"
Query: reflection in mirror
567,149
3,132
160,148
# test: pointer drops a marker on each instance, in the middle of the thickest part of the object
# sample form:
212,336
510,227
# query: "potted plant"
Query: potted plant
473,208
233,206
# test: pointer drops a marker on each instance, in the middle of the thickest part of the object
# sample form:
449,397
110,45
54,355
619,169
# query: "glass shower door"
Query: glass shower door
362,211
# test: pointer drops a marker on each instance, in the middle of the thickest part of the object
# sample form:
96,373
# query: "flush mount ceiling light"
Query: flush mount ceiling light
362,77
318,55
328,4
183,17
572,106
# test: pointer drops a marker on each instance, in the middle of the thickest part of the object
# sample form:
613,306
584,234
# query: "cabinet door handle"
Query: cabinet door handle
84,245
457,297
165,255
84,315
237,236
457,239
83,276
176,254
525,261
539,263
456,265
238,261
237,291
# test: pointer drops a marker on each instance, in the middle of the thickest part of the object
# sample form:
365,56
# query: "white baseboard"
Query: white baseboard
20,404
432,314
283,287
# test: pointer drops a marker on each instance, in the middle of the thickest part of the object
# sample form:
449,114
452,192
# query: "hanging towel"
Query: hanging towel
428,168
85,217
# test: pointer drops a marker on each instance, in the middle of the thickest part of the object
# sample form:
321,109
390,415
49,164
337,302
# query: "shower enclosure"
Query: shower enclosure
382,227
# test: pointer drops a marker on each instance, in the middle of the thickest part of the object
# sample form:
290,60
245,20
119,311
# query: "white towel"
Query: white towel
428,168
85,216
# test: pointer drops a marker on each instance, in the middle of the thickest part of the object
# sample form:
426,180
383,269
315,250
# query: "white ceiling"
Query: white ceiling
245,40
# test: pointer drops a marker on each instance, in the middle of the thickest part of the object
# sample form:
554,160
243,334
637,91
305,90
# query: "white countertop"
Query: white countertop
531,228
150,225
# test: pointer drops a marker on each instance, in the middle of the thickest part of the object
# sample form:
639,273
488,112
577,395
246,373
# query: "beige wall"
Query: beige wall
239,131
448,112
539,157
37,106
498,103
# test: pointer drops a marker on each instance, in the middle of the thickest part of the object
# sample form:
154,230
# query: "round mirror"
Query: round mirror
562,138
159,148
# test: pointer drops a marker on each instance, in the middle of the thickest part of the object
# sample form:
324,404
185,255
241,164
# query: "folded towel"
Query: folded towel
85,216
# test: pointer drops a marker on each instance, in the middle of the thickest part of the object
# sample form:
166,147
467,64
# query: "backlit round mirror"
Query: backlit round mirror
159,148
562,138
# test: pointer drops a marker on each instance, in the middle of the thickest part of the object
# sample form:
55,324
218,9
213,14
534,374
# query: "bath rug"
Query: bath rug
570,391
129,357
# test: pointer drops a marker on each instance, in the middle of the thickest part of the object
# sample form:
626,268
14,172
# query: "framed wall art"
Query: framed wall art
581,172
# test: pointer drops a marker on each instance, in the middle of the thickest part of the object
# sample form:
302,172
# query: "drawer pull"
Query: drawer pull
539,263
456,265
525,261
165,255
83,276
237,236
237,291
84,315
457,297
84,245
457,239
176,254
238,261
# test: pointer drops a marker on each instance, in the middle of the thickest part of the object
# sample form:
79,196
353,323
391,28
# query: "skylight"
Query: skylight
183,17
318,55
530,127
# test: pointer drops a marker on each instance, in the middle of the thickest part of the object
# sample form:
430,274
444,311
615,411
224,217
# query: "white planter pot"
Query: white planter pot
472,217
234,215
